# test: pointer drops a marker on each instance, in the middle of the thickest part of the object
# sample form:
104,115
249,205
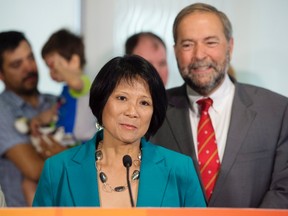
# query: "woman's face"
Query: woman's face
128,112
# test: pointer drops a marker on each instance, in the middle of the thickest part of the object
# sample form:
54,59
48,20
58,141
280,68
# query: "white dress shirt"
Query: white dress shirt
220,113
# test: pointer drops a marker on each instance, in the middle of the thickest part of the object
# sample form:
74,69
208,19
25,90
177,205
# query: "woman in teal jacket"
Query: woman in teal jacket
128,99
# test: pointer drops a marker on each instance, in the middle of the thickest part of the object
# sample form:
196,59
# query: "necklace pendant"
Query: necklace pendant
136,175
119,188
98,155
103,177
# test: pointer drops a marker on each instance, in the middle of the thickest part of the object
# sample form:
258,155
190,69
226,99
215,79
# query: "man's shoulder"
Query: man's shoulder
77,153
177,97
8,101
257,92
6,95
178,90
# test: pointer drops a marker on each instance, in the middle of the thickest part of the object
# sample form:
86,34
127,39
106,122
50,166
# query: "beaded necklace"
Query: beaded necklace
104,178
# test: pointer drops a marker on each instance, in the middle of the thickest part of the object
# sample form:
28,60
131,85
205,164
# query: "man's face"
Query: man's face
19,70
155,53
202,51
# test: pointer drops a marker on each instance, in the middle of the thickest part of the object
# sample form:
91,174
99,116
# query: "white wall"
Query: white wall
38,19
260,33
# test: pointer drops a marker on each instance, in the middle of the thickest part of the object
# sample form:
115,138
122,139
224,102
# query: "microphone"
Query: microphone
127,162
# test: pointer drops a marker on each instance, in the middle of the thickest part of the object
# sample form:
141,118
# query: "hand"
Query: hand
45,118
66,68
49,146
69,71
34,125
49,115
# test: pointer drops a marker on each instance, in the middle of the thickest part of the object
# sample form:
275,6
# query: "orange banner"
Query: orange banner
140,212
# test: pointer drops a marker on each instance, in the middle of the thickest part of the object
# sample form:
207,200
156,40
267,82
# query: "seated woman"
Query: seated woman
128,99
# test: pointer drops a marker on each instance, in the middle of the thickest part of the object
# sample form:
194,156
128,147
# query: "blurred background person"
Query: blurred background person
70,120
21,98
151,47
64,54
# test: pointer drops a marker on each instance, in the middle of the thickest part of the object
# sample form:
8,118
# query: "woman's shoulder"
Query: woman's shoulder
64,155
73,152
169,155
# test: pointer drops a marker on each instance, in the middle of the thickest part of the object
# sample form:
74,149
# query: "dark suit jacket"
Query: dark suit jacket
254,170
167,179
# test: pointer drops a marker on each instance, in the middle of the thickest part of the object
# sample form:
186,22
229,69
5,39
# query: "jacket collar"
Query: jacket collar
153,178
242,118
152,183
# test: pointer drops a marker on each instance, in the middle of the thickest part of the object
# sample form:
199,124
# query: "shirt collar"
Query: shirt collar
18,101
223,91
13,98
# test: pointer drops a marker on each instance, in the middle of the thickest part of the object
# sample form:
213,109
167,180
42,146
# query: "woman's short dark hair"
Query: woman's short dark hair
129,68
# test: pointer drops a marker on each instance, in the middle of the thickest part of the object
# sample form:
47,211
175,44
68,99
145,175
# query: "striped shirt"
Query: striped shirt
11,108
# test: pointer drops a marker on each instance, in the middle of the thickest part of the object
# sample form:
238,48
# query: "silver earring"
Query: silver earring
98,126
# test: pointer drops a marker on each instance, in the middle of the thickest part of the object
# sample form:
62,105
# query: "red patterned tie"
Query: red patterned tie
208,157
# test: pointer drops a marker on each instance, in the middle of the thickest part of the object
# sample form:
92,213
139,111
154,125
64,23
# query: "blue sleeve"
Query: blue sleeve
193,194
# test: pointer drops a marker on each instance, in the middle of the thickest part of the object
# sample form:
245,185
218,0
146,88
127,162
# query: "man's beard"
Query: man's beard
22,90
215,79
29,92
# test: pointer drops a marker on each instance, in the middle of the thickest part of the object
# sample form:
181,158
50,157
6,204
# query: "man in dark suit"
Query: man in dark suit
250,123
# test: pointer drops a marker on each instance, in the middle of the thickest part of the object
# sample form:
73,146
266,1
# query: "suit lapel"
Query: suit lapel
152,184
179,121
82,176
241,120
153,178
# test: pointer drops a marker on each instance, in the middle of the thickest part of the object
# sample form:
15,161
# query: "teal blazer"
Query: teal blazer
167,179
